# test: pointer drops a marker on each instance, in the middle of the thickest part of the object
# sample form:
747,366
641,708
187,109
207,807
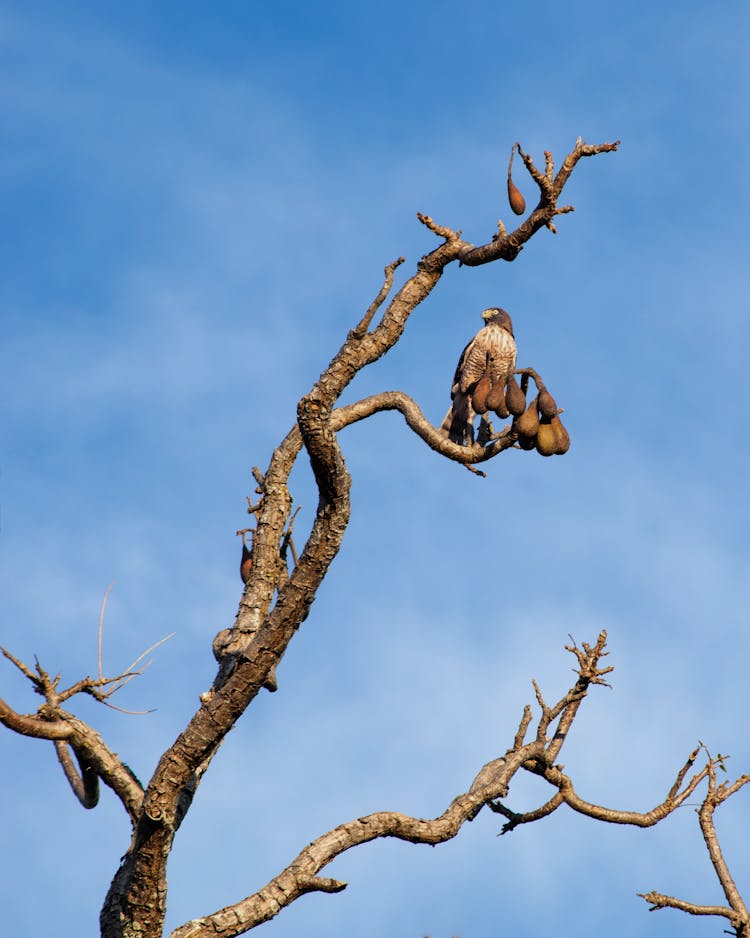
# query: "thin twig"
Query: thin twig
101,628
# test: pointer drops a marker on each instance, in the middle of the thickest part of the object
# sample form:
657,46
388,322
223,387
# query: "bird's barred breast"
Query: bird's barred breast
492,348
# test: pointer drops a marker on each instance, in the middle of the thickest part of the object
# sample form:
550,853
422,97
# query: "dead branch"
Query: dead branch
95,760
28,725
301,876
100,634
737,912
674,799
715,796
514,819
659,901
83,780
508,246
90,750
416,421
364,324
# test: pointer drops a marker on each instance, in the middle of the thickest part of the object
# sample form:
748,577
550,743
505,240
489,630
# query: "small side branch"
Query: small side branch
95,760
507,246
364,324
514,819
83,780
589,673
658,901
442,231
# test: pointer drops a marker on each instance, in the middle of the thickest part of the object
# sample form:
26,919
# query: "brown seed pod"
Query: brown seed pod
562,438
546,442
479,395
528,423
515,197
526,442
546,404
496,400
515,399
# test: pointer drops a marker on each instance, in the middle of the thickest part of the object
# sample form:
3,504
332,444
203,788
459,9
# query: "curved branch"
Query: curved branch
658,901
416,420
33,726
301,876
91,752
83,780
94,756
636,818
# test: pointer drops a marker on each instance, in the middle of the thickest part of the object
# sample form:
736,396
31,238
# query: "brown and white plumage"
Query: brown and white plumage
491,353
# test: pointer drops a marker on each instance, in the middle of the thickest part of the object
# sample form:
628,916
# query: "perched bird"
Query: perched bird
481,375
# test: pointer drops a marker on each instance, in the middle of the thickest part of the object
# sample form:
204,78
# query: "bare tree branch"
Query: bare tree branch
659,901
364,324
515,819
95,759
715,796
301,876
635,818
508,246
28,725
83,780
737,912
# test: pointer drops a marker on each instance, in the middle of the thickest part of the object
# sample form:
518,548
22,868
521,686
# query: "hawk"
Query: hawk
481,375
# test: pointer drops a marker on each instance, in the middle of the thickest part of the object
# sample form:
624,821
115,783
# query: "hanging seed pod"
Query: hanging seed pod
479,395
547,405
496,401
528,423
516,199
526,442
562,438
546,442
515,400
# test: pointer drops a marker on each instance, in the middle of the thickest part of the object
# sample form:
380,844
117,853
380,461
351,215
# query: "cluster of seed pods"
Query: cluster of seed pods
536,424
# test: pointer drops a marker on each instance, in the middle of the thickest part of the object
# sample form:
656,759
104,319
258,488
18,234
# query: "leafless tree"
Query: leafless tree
280,587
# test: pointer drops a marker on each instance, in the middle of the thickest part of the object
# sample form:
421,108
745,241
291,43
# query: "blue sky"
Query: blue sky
199,200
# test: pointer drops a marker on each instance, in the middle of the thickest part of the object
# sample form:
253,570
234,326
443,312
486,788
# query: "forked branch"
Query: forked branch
677,795
736,912
302,874
94,759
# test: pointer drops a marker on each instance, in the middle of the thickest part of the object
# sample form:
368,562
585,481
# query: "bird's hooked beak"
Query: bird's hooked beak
506,322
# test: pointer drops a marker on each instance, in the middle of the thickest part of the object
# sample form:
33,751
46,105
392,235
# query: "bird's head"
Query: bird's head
498,317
